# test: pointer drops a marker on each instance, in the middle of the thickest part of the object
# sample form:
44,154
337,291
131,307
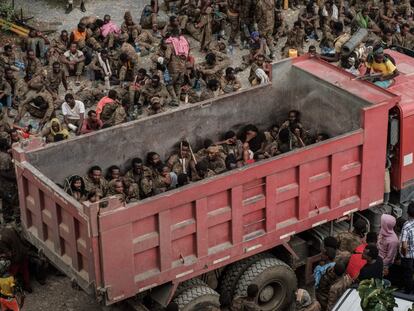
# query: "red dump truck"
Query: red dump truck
246,225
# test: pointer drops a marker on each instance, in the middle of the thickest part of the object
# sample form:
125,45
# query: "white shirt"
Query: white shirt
73,113
73,57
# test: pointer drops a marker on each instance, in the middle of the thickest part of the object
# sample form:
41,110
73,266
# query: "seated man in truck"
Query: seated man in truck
383,67
182,160
141,175
94,181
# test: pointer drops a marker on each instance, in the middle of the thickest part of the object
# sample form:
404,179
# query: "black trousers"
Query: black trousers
408,265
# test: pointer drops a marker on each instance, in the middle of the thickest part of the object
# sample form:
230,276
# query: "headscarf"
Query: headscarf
387,226
388,240
64,132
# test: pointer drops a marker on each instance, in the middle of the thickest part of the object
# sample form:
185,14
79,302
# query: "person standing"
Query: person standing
265,17
407,249
388,241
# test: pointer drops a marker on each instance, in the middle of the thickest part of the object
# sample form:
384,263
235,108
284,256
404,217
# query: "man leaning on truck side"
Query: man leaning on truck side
382,65
407,249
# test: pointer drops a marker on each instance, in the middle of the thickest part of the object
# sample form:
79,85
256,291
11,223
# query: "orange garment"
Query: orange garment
9,304
78,36
101,104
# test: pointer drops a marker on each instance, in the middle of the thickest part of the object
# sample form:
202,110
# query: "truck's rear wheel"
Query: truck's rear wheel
276,281
232,274
188,284
195,298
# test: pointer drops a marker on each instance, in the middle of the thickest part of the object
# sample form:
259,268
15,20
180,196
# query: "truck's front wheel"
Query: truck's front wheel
276,281
196,298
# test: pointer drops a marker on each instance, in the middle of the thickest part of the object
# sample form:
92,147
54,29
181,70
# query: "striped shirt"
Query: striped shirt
407,235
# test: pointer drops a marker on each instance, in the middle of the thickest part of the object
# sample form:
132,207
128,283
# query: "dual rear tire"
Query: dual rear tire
275,279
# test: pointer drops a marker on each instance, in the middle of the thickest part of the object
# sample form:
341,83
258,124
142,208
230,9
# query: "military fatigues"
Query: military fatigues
101,189
265,17
54,80
113,114
132,31
37,112
233,14
217,165
7,62
295,40
177,66
19,89
149,91
128,71
215,71
143,180
57,48
406,41
247,9
180,165
348,241
32,66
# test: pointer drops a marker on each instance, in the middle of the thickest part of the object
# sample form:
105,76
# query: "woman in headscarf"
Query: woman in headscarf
77,188
56,132
387,240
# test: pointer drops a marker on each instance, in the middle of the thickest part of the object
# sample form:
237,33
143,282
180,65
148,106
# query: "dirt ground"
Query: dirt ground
58,294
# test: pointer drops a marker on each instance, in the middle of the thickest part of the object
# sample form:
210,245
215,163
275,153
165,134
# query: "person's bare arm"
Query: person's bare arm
81,120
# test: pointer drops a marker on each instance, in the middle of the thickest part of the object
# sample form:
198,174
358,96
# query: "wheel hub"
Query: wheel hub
266,294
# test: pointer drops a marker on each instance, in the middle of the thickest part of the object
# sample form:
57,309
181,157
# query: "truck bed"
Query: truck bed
124,250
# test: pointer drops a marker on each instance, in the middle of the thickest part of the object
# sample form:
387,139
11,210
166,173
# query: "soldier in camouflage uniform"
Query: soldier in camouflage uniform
265,17
58,46
140,175
247,10
18,86
348,241
117,187
182,161
130,28
295,39
32,64
54,79
233,16
94,182
214,65
39,105
8,59
154,89
214,160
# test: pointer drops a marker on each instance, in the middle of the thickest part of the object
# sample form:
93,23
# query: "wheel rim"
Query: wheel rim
271,295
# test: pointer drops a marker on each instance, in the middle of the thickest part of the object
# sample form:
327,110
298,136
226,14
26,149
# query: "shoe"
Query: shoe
82,7
69,8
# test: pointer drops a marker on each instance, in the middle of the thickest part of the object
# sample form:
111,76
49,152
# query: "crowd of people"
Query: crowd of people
141,68
153,176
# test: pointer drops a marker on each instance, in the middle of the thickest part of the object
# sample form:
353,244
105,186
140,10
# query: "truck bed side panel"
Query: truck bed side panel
204,226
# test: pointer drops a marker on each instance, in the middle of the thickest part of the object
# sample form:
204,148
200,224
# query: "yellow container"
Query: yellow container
293,53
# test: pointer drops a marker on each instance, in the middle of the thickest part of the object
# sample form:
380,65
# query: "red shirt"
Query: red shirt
356,262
